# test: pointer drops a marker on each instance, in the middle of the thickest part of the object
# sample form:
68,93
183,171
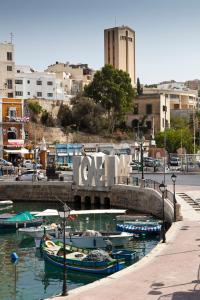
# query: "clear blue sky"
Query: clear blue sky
167,33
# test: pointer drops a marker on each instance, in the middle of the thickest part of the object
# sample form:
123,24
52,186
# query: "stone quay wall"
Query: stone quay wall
142,200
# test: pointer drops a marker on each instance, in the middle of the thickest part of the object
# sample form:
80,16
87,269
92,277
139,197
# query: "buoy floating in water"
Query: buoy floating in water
14,257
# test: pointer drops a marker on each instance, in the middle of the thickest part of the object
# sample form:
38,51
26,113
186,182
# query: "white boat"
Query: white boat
93,239
38,232
90,238
6,202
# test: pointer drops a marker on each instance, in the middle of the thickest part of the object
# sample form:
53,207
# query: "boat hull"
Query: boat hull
104,269
36,232
93,242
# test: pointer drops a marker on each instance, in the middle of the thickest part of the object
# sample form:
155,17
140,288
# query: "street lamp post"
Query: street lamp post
173,178
162,188
142,158
66,210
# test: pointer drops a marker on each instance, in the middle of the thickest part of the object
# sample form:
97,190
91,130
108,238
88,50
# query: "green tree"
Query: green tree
64,115
113,90
35,107
175,138
87,115
47,119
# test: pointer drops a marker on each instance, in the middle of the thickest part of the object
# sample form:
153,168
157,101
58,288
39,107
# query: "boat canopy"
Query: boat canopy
21,217
54,212
94,212
47,212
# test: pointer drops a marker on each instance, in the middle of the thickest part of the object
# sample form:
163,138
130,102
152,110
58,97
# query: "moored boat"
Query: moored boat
97,261
140,227
24,219
92,239
38,231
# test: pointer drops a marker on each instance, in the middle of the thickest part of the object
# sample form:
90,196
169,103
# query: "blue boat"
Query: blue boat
127,255
140,227
77,261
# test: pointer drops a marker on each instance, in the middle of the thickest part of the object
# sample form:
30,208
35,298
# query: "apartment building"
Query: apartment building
7,70
149,109
32,84
12,133
119,49
73,77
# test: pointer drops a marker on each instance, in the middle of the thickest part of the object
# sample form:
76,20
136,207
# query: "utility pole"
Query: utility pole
165,111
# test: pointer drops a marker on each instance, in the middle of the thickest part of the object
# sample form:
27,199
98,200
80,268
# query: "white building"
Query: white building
31,84
7,70
40,85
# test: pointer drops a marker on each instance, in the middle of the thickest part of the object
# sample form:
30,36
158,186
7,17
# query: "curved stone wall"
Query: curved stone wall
144,200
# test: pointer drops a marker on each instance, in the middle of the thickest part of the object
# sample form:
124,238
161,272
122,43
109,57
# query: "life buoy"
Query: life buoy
49,244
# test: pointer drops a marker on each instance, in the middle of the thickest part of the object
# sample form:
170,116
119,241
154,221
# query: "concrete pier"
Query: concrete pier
169,272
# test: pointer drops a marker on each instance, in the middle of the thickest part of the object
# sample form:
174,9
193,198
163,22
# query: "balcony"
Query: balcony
14,120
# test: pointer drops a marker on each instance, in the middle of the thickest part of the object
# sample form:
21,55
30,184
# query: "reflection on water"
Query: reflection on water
31,278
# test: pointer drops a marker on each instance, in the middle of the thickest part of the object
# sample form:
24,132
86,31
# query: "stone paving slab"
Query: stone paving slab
170,272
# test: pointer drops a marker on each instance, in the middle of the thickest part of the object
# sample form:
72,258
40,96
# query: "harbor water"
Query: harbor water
30,278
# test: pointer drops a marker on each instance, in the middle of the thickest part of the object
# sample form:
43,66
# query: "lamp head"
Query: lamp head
173,178
162,187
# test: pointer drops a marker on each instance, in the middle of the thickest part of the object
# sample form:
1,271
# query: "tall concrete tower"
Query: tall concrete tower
119,49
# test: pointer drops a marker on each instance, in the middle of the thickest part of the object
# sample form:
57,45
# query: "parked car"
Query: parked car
174,161
31,175
4,162
135,165
149,162
28,164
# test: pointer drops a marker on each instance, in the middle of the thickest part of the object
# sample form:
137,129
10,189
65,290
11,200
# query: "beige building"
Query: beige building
119,49
73,77
149,109
7,70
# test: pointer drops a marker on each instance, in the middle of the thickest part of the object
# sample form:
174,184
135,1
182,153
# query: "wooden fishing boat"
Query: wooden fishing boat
77,261
24,219
51,247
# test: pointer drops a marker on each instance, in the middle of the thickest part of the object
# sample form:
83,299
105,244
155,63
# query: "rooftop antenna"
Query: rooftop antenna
11,37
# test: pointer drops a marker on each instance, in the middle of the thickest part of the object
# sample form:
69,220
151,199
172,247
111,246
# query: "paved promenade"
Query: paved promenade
170,272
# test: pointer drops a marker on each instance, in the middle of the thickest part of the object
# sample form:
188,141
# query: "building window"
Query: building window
10,95
39,94
49,94
9,84
9,68
28,93
9,55
18,93
12,133
39,82
135,124
18,71
149,109
49,82
136,109
176,106
28,81
11,113
18,81
148,124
